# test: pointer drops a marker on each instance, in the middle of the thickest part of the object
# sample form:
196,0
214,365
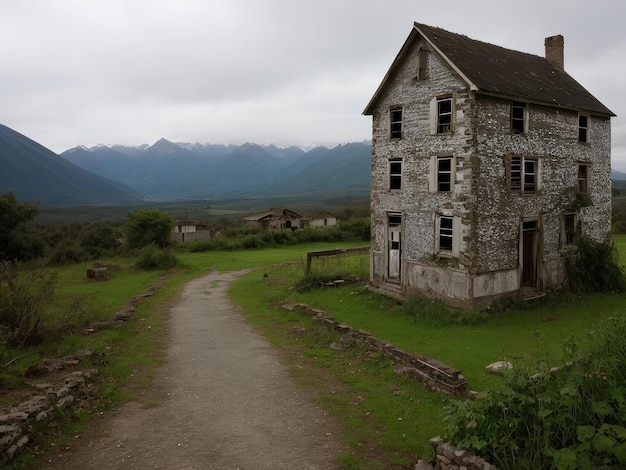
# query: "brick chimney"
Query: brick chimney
554,51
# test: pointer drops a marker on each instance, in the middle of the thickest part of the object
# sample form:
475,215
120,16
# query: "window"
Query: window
395,175
583,178
523,175
395,123
568,230
444,173
446,233
422,70
444,115
583,128
518,117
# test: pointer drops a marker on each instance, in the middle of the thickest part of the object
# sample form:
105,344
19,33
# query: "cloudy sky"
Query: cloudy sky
287,72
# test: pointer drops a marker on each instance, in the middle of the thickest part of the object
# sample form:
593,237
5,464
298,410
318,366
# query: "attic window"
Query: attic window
583,128
422,70
518,117
395,123
444,115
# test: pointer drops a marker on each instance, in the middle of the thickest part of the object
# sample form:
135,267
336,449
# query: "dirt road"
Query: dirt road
224,402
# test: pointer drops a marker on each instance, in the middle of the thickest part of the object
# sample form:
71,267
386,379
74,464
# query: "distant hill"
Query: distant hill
35,173
618,175
169,171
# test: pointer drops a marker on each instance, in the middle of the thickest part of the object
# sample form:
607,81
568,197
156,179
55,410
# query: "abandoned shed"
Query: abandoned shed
487,164
276,219
191,230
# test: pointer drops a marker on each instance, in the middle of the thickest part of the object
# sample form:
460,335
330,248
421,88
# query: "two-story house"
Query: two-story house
487,163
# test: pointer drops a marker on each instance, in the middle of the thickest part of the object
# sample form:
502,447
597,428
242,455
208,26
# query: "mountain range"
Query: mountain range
179,171
168,171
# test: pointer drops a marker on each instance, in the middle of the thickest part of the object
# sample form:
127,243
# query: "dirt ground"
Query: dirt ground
223,401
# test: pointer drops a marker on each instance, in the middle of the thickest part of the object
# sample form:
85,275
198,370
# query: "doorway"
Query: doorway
394,234
529,253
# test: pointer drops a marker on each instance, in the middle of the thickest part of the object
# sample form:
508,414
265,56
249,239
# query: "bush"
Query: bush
149,227
570,418
23,299
152,258
595,268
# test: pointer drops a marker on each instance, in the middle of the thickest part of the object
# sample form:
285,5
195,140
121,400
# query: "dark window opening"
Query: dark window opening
444,174
583,128
396,123
518,117
569,228
395,175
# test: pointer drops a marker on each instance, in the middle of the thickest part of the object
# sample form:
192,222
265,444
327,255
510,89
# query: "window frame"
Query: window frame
521,178
441,128
448,235
584,134
568,230
515,120
395,177
396,126
583,182
439,181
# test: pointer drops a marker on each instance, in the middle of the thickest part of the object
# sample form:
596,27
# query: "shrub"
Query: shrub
152,257
23,299
149,226
567,419
595,268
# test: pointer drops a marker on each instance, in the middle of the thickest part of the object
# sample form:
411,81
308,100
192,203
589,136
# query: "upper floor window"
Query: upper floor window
395,123
583,128
422,66
395,174
518,117
444,173
444,115
524,175
583,177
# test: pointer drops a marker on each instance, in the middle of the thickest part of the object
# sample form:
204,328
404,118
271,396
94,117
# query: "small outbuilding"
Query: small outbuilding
276,219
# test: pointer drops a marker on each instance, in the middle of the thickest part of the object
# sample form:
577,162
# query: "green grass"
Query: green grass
387,420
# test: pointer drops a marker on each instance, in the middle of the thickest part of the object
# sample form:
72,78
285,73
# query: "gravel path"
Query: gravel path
225,402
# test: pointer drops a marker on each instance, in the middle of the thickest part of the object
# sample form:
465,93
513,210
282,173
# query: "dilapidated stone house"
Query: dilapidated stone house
276,219
487,163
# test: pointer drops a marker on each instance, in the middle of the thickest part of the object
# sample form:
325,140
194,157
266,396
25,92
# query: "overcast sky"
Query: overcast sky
287,72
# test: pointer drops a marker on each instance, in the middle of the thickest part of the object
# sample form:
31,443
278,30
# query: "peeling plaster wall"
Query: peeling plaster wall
490,215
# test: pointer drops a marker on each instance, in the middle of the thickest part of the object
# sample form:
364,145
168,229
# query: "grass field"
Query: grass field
387,419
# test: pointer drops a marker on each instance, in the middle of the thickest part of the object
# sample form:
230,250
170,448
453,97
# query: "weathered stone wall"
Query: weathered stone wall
17,422
448,457
431,372
490,215
416,200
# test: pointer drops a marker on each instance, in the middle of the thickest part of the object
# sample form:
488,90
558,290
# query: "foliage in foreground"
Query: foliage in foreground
570,418
24,298
595,268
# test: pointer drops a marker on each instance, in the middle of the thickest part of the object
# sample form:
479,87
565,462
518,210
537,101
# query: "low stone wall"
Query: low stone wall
431,372
42,408
448,457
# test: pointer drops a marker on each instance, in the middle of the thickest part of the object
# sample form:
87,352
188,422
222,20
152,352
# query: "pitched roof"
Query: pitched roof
495,70
279,212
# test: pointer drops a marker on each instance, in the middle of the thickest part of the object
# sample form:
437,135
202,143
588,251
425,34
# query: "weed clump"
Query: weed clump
438,314
152,258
